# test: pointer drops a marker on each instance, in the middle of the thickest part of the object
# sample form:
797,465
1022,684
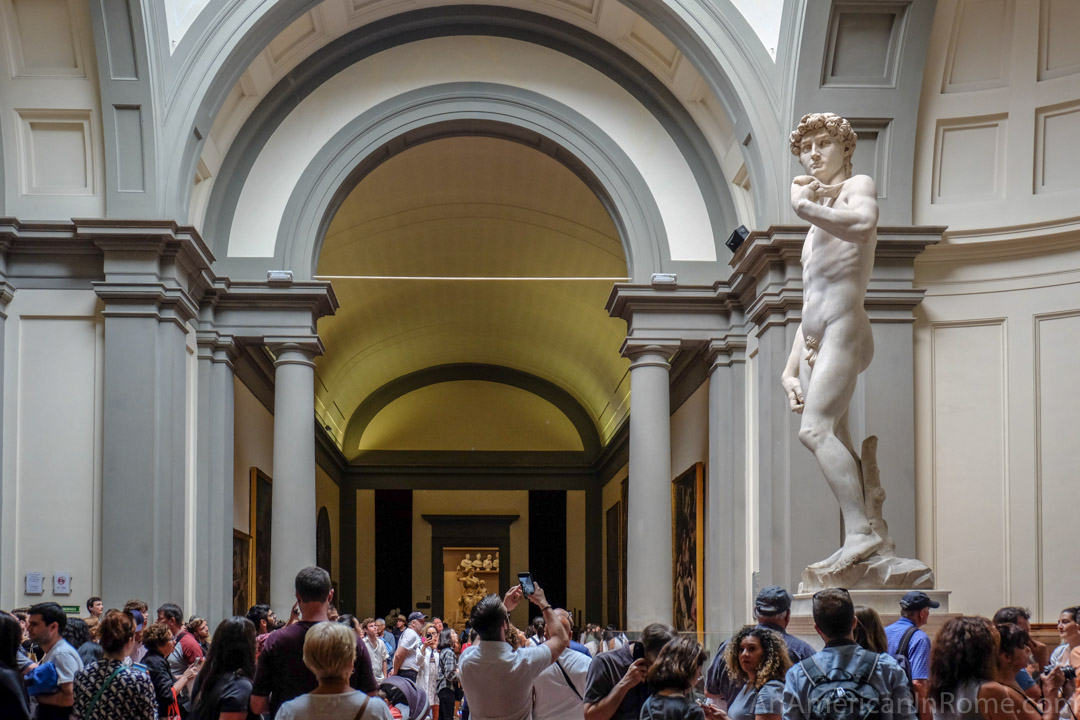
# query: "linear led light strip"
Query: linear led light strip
444,277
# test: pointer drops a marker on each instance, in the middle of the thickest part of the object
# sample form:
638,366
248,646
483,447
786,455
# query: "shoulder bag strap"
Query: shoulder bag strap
97,696
865,665
813,672
905,641
568,680
360,712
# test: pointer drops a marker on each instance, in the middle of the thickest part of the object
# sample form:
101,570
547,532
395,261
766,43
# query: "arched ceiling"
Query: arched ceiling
472,207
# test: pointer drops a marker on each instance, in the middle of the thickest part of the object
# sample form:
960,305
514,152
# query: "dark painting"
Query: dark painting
687,537
614,533
241,577
323,543
262,500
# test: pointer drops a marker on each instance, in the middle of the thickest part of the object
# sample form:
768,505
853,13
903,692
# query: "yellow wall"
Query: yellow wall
470,415
365,556
326,495
575,550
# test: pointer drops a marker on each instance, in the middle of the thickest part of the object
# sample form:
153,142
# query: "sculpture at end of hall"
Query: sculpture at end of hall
487,562
833,345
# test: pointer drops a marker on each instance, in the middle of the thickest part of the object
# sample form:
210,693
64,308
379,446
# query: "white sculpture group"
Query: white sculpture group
833,344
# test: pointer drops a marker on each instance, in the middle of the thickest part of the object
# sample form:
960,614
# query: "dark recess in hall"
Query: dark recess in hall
547,545
393,550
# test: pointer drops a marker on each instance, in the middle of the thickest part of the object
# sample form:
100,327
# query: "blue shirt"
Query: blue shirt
391,643
575,645
918,648
888,679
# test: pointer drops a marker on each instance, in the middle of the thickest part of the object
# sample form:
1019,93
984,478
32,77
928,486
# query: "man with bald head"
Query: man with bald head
559,690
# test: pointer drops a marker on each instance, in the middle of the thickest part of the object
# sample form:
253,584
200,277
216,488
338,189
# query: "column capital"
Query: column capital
726,351
294,351
153,299
649,352
216,347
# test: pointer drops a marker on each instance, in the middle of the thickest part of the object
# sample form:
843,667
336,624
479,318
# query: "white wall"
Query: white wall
52,482
997,408
253,446
50,115
690,432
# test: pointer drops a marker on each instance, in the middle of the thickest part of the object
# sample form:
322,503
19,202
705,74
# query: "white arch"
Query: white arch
420,64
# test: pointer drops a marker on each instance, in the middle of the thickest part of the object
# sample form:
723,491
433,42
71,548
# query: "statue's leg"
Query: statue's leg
835,372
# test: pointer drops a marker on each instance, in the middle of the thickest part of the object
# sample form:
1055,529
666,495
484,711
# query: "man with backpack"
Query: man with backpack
911,646
844,681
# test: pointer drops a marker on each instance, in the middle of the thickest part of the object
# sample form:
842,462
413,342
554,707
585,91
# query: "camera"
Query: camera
1068,670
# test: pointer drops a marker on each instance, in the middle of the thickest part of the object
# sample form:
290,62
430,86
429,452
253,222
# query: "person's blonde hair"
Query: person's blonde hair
330,650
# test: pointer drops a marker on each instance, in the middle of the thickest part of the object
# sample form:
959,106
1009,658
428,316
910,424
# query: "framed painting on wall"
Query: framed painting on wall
241,569
687,550
614,563
624,543
262,505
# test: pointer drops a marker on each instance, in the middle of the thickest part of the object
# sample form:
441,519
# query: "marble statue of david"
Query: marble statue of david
834,343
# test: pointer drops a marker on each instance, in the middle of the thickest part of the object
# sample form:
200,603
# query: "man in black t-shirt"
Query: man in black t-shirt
281,674
615,687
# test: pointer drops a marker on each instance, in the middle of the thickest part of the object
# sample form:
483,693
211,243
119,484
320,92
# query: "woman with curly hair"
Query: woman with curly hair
671,679
757,657
1013,655
962,667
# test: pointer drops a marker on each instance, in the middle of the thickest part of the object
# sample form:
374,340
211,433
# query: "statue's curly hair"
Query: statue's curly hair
832,123
775,660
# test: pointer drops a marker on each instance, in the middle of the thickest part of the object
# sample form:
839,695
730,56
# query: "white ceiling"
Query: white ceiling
472,206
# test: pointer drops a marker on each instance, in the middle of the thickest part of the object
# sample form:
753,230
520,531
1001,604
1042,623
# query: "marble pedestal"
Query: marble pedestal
886,602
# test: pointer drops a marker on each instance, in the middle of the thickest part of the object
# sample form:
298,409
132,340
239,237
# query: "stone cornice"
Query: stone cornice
626,299
767,274
317,295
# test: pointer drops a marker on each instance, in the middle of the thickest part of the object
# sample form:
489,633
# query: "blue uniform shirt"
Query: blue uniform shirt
918,648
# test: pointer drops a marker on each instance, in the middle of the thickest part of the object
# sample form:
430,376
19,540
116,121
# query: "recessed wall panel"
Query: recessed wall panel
872,151
863,44
969,462
1057,147
55,155
129,149
1058,417
44,41
969,160
1059,26
979,47
56,450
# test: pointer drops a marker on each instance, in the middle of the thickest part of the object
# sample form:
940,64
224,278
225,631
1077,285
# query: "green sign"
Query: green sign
71,609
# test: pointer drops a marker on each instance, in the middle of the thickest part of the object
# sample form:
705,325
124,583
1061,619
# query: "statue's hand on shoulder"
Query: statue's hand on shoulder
803,190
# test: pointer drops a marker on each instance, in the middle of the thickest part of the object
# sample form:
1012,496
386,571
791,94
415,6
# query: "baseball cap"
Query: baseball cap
140,621
773,600
917,600
416,616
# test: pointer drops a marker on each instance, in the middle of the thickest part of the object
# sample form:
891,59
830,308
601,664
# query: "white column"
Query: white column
292,543
648,553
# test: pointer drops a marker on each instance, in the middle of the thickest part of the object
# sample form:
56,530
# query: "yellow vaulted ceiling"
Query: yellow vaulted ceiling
469,207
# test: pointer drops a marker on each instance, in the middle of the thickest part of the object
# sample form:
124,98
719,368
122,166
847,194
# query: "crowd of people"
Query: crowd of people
118,665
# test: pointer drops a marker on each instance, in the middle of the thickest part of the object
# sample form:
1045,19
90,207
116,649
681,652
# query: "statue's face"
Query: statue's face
822,155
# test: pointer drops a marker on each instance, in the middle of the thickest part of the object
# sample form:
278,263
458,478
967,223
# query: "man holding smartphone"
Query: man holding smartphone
498,681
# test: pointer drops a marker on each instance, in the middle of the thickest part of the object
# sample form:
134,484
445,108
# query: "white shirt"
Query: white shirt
498,681
552,697
378,653
410,641
343,706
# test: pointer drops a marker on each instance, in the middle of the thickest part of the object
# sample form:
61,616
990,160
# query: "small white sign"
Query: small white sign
35,583
62,584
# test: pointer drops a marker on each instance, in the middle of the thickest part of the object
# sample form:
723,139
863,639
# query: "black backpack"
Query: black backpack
901,657
844,693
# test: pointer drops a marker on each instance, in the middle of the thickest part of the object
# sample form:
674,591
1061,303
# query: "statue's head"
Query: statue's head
831,123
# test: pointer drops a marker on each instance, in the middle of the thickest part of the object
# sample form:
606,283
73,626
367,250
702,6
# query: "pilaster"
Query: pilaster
152,272
214,480
726,531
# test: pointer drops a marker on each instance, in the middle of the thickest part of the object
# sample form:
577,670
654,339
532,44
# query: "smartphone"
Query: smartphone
638,652
526,580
